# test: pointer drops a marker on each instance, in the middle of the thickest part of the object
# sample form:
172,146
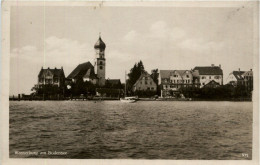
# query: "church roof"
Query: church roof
209,70
56,72
100,44
81,70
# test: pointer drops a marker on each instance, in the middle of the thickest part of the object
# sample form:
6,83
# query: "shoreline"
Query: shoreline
168,100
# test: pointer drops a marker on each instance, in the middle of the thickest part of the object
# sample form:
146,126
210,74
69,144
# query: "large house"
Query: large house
145,83
245,78
55,77
236,78
208,74
172,80
87,72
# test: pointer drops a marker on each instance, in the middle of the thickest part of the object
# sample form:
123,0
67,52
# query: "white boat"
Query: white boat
128,100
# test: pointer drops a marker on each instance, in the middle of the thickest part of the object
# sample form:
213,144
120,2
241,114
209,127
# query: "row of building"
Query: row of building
168,80
200,77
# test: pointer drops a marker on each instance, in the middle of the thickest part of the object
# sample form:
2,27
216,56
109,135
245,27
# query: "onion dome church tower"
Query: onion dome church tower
100,61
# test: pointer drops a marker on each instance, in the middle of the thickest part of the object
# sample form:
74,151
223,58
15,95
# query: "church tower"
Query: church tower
100,61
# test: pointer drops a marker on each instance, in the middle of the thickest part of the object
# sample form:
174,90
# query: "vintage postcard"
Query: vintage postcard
130,82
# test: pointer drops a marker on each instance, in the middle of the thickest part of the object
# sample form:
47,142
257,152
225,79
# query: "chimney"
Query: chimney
61,67
238,69
212,65
55,68
220,66
250,69
42,67
48,67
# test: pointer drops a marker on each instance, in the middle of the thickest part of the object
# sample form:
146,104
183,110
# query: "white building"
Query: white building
208,74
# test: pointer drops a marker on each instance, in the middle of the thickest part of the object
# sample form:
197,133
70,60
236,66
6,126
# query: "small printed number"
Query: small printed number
245,155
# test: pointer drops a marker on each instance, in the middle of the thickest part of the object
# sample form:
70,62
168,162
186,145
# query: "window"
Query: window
202,77
48,81
187,76
152,88
175,76
139,88
146,83
56,80
101,63
141,82
148,88
151,83
209,77
217,77
101,67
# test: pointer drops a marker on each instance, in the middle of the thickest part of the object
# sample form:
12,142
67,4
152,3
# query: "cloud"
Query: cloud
131,36
200,45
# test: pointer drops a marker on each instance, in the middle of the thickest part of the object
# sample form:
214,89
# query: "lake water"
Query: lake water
141,130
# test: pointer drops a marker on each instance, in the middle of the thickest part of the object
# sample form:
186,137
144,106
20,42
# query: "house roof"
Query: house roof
56,72
238,74
144,74
168,73
113,81
209,70
82,70
165,73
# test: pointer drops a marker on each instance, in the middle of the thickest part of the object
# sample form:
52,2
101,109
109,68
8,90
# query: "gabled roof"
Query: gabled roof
167,73
56,72
81,70
212,83
209,70
238,74
113,81
144,74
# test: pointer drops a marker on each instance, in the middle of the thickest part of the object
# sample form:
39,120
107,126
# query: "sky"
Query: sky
162,37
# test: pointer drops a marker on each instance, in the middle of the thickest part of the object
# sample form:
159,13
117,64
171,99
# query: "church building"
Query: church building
87,72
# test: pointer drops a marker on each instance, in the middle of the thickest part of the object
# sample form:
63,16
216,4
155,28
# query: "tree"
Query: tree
155,76
134,74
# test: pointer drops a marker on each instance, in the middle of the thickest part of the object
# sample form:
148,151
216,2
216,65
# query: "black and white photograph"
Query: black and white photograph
139,81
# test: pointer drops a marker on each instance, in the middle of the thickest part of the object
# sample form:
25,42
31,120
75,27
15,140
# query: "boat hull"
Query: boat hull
127,100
